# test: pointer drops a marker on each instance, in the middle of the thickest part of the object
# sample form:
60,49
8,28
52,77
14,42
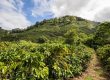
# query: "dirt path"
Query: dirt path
94,71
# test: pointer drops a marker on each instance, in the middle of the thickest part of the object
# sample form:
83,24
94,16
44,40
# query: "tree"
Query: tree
42,39
102,36
71,37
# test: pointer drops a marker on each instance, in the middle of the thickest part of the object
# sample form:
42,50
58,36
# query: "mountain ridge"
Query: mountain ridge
55,27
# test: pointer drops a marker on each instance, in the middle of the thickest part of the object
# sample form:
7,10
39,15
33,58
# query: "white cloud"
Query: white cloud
11,14
88,9
103,15
67,7
41,7
93,9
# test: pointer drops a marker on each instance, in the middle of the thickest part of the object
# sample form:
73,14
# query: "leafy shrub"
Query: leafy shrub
27,60
71,37
104,55
64,60
102,35
22,61
10,38
42,39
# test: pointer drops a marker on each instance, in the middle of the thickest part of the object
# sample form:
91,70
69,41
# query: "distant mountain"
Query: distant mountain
51,29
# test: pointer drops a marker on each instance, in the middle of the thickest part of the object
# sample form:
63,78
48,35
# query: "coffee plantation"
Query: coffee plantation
27,60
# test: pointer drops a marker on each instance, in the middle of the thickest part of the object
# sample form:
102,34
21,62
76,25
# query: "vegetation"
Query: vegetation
101,41
54,49
104,56
27,60
102,36
53,29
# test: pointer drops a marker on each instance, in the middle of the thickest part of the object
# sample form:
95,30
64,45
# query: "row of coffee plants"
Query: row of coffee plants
30,61
104,55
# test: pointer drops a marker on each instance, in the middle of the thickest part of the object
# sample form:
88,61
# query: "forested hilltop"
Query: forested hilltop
52,29
54,49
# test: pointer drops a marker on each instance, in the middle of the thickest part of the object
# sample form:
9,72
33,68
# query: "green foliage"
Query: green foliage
21,61
104,56
10,37
61,55
27,60
3,33
71,37
42,39
74,37
52,28
101,43
102,35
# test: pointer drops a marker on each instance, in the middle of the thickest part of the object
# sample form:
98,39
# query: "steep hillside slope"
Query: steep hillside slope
52,29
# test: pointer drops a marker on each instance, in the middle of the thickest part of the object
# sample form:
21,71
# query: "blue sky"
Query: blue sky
23,13
28,5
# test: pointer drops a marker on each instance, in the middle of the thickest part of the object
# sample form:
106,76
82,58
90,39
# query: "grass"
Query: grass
89,78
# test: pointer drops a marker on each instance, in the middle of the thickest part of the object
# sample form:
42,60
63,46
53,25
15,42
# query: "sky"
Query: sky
23,13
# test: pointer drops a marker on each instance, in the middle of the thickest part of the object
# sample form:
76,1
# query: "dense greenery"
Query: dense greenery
27,60
53,49
104,56
53,29
102,36
3,33
101,41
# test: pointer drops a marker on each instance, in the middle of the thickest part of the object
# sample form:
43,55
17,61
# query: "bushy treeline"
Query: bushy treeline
52,29
102,39
101,36
101,43
31,61
104,55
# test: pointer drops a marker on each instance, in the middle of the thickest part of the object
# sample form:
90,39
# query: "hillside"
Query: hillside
65,48
52,29
3,32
